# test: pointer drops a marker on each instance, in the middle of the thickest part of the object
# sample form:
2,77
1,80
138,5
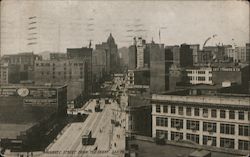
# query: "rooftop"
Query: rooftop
149,149
205,99
11,86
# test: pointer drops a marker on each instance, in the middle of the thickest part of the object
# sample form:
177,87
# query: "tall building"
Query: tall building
139,56
132,57
240,54
195,48
215,121
157,68
9,74
140,47
72,72
109,52
85,55
186,55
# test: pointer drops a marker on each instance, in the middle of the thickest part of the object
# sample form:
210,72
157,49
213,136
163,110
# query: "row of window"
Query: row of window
205,113
199,72
206,140
207,126
53,64
59,73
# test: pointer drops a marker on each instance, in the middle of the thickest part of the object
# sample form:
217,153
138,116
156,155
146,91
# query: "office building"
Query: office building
195,48
9,74
200,75
109,55
157,67
25,63
73,72
216,121
240,54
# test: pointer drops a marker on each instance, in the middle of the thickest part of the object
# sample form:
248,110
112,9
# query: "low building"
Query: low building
217,121
200,75
30,115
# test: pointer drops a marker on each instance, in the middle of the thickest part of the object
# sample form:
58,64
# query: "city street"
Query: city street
109,139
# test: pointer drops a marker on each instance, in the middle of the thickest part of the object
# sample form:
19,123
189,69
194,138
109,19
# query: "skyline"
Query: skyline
66,24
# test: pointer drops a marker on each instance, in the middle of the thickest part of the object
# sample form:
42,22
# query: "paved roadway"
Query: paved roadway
110,140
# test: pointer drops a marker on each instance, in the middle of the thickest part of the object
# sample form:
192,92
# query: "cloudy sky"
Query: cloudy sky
71,23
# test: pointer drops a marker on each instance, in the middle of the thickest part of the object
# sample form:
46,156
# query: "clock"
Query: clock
23,92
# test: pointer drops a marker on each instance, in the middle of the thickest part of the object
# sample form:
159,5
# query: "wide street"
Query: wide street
109,139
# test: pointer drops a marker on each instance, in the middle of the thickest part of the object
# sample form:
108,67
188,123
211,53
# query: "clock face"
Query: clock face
23,92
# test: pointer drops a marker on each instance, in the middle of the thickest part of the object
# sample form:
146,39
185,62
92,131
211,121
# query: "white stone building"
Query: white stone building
216,121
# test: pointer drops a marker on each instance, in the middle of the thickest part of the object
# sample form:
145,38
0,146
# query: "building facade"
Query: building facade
157,68
9,74
200,75
73,72
24,62
240,54
206,120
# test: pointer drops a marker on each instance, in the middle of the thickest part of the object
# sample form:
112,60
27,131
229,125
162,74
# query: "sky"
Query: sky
62,24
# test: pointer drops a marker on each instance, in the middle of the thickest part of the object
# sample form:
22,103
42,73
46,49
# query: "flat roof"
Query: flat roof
32,86
11,131
204,99
149,149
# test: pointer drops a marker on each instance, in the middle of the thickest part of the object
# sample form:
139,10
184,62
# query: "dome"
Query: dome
110,39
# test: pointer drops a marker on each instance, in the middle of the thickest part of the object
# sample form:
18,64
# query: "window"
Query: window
161,121
196,112
205,112
241,115
188,111
244,145
177,123
227,142
173,109
180,110
165,109
227,129
160,133
201,72
210,78
176,135
222,114
244,130
158,108
193,125
209,140
193,137
231,114
210,127
201,78
213,113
